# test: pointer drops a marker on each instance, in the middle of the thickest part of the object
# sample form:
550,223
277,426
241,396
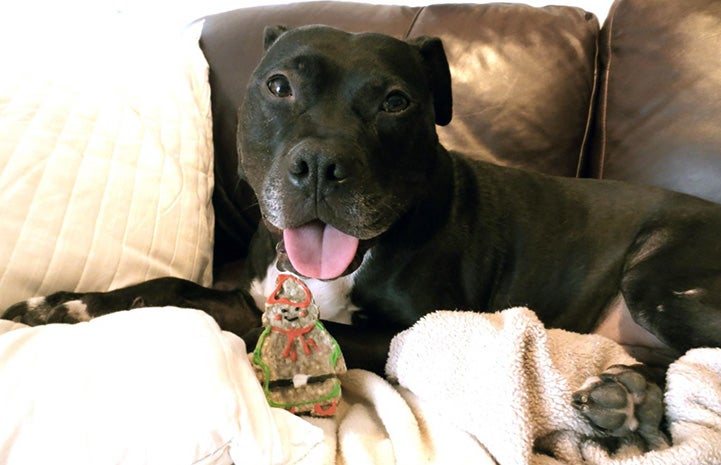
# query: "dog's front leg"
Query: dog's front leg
233,310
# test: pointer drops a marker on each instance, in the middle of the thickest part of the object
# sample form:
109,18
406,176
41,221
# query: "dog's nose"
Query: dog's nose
316,169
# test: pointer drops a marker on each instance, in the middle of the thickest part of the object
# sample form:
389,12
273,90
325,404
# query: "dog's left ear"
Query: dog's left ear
439,76
271,34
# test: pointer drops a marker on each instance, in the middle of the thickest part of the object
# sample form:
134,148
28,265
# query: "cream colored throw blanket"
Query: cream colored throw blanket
167,386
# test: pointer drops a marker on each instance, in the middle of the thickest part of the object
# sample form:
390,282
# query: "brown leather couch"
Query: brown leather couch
541,88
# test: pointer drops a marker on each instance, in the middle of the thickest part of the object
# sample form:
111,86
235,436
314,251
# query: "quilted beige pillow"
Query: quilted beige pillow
106,169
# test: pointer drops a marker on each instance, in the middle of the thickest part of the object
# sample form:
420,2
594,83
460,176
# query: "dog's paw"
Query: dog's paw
621,403
61,307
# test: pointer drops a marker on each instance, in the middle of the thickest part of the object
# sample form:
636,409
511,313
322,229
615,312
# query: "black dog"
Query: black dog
337,138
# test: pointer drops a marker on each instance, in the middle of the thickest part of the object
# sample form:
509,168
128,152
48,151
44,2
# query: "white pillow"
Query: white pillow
106,166
147,386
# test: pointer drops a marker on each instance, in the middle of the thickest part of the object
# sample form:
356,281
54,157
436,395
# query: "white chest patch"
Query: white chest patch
332,297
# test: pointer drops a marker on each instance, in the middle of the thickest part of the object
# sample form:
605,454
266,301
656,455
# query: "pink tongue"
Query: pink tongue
318,250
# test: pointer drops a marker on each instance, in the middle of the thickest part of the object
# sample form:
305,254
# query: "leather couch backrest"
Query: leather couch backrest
658,120
523,83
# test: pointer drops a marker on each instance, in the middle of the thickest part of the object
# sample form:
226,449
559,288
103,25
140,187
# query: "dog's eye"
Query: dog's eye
395,102
280,86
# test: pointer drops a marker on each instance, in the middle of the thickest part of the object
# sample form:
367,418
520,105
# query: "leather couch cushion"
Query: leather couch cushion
523,84
660,103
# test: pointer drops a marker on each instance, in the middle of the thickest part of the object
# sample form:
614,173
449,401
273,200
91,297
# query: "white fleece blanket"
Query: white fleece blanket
492,388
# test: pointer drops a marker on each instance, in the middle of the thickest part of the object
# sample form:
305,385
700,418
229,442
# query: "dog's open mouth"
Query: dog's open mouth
318,250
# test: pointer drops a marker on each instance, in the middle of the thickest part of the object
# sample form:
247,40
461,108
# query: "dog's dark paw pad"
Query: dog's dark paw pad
620,403
607,404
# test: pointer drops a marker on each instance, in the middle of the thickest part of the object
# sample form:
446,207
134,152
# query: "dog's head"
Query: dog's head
337,137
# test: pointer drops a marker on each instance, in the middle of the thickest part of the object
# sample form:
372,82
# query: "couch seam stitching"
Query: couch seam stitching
582,156
604,104
413,22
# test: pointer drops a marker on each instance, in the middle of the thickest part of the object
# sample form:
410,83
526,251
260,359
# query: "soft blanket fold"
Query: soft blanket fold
503,378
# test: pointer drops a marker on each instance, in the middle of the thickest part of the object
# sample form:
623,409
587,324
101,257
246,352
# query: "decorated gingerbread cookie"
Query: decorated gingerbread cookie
296,359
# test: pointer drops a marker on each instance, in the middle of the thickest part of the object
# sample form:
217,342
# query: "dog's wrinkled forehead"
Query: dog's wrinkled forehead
328,56
317,49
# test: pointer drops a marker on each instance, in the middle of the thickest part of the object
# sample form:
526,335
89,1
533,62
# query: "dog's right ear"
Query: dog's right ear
271,34
439,75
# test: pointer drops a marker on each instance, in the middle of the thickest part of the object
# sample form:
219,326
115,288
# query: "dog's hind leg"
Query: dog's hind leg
672,289
682,311
676,296
672,281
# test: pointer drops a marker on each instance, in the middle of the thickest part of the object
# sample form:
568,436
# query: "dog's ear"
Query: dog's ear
271,34
439,76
